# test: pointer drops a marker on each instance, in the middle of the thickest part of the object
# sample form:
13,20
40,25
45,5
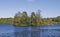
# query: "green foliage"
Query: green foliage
56,19
17,19
6,20
22,19
33,19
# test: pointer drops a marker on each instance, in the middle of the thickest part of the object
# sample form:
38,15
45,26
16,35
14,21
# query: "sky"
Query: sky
49,8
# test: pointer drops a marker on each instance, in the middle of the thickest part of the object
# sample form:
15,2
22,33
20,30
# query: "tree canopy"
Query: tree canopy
35,19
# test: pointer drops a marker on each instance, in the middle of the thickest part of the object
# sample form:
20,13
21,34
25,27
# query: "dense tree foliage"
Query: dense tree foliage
56,19
35,19
24,19
17,19
6,20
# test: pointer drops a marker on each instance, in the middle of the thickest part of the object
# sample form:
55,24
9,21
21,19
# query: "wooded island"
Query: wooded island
35,19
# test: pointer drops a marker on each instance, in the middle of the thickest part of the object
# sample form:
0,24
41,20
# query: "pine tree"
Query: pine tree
17,18
38,18
24,19
33,19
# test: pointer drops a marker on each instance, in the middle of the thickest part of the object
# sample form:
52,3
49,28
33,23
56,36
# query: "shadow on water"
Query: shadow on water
29,31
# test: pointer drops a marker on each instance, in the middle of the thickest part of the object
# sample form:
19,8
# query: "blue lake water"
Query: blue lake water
7,30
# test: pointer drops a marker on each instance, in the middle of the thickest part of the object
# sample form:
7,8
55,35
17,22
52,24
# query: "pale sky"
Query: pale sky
49,8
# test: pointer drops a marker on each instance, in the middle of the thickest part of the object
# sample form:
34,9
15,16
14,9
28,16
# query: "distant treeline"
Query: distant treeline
35,19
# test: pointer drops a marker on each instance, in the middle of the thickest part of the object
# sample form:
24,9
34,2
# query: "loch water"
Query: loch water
8,30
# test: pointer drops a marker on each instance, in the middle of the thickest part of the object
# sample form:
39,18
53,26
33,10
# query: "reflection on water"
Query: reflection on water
7,35
27,32
50,33
32,32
